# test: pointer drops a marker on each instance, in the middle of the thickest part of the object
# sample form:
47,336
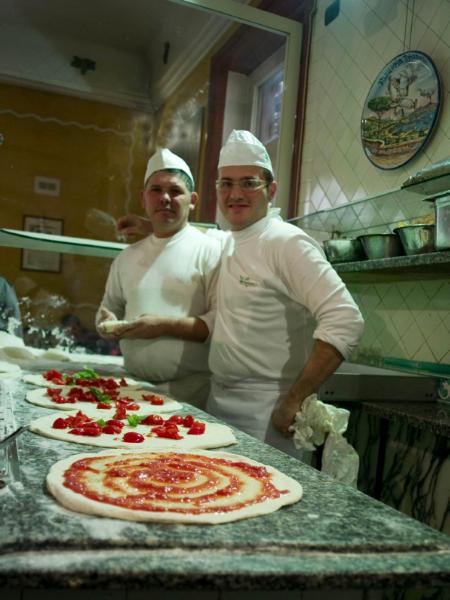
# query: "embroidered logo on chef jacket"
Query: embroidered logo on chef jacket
246,281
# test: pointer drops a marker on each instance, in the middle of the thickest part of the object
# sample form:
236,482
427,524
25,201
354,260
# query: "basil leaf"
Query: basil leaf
133,420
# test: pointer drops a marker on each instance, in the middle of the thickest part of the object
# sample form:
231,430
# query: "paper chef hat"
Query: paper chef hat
165,159
243,148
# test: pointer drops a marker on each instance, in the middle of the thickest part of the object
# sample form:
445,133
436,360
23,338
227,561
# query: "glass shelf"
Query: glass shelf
377,214
31,240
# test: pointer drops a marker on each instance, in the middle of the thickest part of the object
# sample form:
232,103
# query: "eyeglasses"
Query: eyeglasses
246,184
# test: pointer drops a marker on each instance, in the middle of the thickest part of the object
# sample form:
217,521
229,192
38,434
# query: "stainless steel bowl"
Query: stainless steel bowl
417,239
381,245
341,250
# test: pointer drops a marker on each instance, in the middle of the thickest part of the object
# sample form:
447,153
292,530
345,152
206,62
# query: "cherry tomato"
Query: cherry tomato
178,419
133,437
103,405
115,423
188,421
197,428
153,420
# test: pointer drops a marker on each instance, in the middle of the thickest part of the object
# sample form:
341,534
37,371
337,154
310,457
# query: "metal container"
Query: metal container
381,245
417,239
342,250
442,213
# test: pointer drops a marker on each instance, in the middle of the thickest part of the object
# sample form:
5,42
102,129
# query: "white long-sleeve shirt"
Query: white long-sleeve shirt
173,277
276,292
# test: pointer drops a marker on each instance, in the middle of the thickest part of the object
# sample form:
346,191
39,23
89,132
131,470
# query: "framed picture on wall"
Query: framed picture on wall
39,260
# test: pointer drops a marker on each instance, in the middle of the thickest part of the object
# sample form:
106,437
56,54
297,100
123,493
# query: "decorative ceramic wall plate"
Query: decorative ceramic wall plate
401,110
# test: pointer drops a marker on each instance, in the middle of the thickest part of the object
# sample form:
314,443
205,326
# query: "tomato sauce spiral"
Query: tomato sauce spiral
171,482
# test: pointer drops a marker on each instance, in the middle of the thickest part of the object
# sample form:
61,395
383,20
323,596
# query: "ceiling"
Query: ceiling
161,32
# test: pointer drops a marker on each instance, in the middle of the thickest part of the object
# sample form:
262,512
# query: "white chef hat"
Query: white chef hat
166,159
243,148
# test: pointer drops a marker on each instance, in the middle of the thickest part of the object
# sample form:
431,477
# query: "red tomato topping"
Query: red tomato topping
132,406
115,423
167,432
198,427
92,430
121,412
54,376
153,399
109,429
59,423
188,421
153,420
103,405
177,419
133,437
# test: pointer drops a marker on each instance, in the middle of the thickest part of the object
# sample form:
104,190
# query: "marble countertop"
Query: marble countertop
433,416
334,537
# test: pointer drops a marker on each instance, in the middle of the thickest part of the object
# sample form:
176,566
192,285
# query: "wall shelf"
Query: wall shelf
432,265
376,214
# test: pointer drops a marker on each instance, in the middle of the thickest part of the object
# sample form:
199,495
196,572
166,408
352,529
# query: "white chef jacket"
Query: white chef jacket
276,293
173,277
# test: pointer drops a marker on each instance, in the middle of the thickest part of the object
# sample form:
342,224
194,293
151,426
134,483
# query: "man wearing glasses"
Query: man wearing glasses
285,320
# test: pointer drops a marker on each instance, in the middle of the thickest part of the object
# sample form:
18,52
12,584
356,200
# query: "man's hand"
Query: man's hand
283,414
145,327
149,327
131,225
105,315
324,360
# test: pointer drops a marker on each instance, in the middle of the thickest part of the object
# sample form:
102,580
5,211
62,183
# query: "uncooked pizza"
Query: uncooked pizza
171,486
97,399
134,431
84,378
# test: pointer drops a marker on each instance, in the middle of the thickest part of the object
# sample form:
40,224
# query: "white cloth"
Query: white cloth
315,420
276,292
317,424
173,277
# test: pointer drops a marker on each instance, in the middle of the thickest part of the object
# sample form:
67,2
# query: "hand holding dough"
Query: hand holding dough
112,325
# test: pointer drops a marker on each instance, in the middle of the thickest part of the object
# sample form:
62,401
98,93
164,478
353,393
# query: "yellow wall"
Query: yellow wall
97,151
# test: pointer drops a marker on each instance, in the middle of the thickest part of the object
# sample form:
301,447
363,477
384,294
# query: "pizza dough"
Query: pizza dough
215,436
111,325
41,397
171,487
9,370
41,381
7,367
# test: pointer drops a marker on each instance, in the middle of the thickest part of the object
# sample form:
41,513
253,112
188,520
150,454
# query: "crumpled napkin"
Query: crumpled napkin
316,423
314,420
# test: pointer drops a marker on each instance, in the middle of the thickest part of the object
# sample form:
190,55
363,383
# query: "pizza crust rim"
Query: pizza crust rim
42,426
38,397
78,503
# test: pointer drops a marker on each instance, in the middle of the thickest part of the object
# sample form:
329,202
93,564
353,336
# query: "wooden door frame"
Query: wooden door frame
242,53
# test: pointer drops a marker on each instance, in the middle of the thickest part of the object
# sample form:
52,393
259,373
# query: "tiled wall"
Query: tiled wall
405,319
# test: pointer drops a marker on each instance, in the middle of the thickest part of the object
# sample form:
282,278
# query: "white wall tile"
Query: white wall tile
346,57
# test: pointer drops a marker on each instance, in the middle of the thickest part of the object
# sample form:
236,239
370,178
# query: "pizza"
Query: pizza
134,431
84,378
97,400
171,486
